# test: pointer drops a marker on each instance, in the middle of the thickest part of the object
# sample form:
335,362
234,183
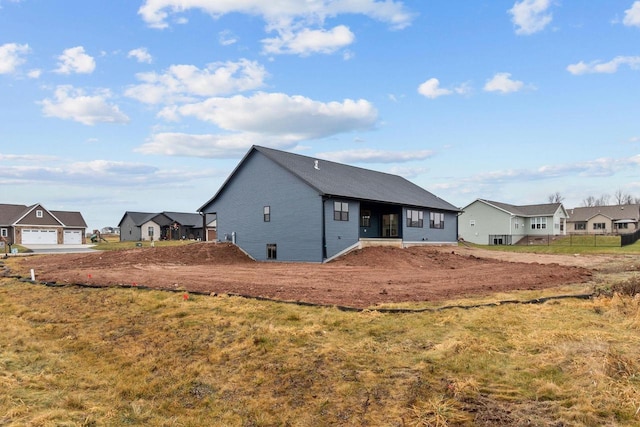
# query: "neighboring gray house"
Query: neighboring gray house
618,219
282,206
486,222
35,225
137,226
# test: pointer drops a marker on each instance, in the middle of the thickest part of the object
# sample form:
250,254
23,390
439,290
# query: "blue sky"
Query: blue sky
121,105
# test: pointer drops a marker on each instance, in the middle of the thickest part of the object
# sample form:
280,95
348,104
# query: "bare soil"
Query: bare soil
363,278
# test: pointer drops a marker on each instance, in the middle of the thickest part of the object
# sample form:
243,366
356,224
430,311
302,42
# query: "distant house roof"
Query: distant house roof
631,213
544,209
340,180
138,218
164,218
10,214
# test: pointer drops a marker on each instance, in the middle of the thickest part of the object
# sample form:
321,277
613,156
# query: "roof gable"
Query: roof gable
544,209
615,212
10,214
340,180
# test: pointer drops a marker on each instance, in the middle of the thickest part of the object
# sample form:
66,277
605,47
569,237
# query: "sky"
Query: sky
110,106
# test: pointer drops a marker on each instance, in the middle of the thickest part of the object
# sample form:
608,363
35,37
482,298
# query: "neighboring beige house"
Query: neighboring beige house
618,219
35,225
487,222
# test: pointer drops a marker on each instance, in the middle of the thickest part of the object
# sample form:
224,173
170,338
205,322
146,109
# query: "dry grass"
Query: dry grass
71,356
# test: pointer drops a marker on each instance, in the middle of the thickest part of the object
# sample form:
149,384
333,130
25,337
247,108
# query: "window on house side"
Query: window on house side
436,220
599,226
267,213
39,214
472,223
415,218
580,226
539,223
272,251
4,232
340,211
365,218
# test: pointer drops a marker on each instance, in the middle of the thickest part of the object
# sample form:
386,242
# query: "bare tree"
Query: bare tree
589,202
603,200
555,197
623,198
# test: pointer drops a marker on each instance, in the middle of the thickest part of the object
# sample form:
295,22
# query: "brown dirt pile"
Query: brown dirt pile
363,278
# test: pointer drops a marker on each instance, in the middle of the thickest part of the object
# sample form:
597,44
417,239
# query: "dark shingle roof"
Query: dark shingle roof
70,219
544,209
185,219
616,213
9,214
340,180
138,218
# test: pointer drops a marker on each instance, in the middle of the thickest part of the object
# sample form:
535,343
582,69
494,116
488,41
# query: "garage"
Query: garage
72,237
39,236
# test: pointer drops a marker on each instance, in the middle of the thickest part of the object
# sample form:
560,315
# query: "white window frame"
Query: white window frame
39,214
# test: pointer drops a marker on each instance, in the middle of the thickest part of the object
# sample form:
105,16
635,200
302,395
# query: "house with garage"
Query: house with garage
282,206
618,219
143,226
487,222
36,225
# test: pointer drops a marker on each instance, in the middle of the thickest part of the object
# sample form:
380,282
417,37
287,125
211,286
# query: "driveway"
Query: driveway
60,249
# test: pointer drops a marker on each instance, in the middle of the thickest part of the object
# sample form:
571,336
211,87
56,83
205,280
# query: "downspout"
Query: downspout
324,230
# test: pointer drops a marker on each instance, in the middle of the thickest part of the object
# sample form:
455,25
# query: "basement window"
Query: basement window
272,251
266,213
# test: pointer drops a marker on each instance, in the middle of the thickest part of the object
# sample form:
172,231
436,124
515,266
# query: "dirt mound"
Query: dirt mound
363,278
412,257
192,254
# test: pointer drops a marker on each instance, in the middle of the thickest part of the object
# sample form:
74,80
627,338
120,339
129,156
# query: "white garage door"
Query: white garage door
72,237
39,236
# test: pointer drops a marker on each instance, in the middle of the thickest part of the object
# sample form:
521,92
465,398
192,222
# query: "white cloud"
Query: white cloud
12,56
308,41
291,117
74,104
502,82
604,67
222,146
270,119
183,82
141,55
431,89
632,15
375,156
530,16
75,60
279,13
227,38
34,74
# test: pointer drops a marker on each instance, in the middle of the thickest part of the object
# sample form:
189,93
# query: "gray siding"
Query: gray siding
341,234
129,231
425,233
295,225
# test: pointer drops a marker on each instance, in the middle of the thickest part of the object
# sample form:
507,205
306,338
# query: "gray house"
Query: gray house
282,206
487,222
137,226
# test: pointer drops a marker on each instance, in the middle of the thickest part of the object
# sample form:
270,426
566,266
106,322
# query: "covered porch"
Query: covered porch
380,221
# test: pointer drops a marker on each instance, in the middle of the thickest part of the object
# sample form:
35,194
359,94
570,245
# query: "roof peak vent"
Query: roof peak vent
316,165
